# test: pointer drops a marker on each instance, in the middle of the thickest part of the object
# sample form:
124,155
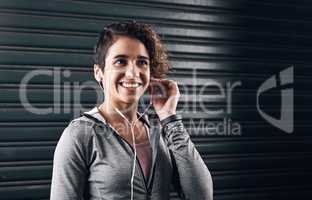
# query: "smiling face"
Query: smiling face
126,74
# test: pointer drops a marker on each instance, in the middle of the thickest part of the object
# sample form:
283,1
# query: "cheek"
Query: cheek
110,81
147,75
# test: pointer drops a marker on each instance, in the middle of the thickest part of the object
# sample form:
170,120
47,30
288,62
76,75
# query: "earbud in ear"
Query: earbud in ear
101,84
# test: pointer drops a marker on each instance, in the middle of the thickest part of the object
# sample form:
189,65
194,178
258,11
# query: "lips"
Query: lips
129,85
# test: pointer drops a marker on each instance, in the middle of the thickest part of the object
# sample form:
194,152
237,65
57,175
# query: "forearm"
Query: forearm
194,176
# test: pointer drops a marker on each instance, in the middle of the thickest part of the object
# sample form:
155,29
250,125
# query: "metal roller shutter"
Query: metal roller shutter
223,53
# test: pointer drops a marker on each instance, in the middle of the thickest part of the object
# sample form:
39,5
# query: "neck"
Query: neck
111,111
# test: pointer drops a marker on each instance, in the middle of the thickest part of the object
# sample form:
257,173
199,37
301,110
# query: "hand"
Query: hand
165,95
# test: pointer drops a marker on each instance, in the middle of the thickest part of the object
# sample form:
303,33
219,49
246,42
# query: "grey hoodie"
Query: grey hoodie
91,161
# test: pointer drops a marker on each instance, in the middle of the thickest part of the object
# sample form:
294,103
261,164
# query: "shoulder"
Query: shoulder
78,132
76,139
84,127
79,127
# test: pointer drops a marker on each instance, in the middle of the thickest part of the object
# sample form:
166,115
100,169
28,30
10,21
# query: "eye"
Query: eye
121,62
142,62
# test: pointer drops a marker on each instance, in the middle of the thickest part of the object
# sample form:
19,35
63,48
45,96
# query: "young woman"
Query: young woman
115,152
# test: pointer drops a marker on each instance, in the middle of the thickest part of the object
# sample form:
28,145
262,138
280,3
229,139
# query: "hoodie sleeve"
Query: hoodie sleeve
192,178
69,165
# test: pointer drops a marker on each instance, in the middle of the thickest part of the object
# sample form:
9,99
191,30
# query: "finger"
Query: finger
155,79
162,82
165,86
159,90
170,84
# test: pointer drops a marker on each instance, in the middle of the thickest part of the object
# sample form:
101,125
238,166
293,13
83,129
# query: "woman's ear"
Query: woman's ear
98,73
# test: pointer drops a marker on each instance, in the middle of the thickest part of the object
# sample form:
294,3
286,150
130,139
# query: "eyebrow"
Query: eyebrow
125,56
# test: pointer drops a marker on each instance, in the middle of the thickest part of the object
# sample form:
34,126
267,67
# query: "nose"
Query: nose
132,70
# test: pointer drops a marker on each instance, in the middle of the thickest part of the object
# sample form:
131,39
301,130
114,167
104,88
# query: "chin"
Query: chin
130,100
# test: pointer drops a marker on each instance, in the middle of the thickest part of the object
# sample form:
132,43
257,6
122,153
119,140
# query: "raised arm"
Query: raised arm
191,174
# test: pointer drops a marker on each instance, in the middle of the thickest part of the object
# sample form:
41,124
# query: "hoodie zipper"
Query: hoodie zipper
137,161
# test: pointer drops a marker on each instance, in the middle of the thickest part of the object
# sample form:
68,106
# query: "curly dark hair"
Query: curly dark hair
159,63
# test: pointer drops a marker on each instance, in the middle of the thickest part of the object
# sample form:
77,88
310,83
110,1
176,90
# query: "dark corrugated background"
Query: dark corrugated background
224,42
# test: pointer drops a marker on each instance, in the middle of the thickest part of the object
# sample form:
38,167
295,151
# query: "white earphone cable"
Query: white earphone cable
132,125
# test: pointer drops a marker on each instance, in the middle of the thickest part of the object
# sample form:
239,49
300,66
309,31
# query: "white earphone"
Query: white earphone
132,125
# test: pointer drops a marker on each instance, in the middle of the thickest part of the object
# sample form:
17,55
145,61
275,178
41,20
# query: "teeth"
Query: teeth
130,85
